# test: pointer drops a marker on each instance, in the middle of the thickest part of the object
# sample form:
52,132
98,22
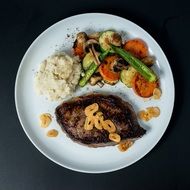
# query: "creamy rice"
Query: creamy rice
58,76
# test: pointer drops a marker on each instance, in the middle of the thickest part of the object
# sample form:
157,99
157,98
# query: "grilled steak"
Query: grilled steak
70,115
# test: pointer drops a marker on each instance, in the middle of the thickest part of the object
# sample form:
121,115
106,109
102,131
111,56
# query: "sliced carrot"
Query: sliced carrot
107,72
143,87
79,44
79,50
136,47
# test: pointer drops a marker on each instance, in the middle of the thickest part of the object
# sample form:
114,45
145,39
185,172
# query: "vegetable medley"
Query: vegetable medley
106,58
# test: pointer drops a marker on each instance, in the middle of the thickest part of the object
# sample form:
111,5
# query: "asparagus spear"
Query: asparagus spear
103,55
89,72
136,63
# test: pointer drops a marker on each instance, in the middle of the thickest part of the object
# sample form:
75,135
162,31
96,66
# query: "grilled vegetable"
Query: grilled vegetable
146,72
136,47
89,72
92,69
94,35
107,38
121,65
107,72
87,61
148,61
143,87
103,55
127,76
80,44
95,79
92,42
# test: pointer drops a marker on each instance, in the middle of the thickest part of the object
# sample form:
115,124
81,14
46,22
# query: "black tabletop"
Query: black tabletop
22,166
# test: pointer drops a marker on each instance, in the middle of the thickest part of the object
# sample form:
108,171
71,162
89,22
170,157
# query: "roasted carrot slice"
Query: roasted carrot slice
107,72
79,44
143,87
136,47
79,51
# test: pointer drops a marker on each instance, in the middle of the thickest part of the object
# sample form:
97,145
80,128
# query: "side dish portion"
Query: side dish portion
107,58
117,115
58,76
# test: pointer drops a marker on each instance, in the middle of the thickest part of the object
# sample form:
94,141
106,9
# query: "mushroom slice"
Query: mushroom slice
94,80
94,35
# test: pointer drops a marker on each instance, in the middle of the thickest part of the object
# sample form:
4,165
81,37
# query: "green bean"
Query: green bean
147,73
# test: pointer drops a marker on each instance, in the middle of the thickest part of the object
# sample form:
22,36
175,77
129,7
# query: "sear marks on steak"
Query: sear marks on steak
71,117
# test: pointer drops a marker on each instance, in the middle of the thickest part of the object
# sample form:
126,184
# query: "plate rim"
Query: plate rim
35,144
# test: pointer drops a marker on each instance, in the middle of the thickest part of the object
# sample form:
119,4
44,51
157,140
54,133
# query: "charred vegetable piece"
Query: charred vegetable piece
94,35
90,43
107,72
148,61
91,70
95,79
146,72
87,61
80,44
103,55
107,38
136,47
143,87
127,76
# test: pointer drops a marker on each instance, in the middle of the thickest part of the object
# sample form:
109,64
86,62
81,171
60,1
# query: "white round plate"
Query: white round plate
63,150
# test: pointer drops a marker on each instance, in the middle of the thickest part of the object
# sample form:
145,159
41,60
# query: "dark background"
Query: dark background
22,166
